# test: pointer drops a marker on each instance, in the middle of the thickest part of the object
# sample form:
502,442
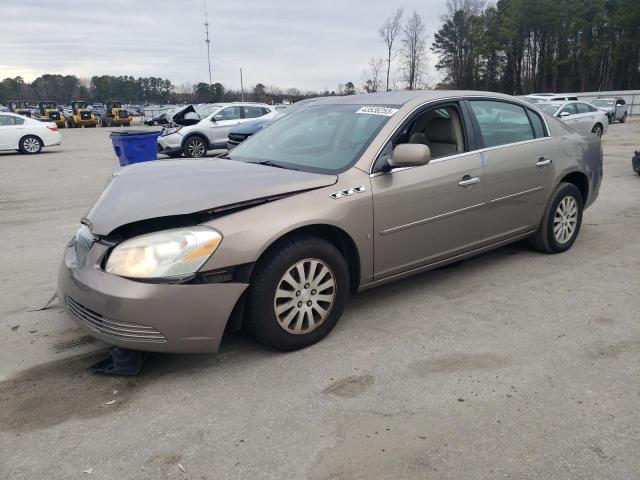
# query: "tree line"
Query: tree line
524,46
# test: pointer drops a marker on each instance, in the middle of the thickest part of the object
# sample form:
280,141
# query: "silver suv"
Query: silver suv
615,107
195,129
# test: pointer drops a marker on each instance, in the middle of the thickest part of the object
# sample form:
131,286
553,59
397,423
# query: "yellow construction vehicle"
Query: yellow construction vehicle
115,116
49,113
81,116
19,107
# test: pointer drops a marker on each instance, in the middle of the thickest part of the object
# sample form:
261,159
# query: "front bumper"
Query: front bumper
170,144
144,316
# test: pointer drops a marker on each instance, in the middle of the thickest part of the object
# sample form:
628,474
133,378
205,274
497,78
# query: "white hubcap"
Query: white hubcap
31,145
565,220
304,296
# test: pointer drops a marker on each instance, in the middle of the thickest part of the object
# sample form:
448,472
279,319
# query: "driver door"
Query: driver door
432,212
10,131
222,122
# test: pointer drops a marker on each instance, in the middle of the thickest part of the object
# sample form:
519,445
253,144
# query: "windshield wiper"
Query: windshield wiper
269,163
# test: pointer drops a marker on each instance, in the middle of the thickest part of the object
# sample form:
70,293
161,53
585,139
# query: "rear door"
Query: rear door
10,131
518,165
586,116
432,212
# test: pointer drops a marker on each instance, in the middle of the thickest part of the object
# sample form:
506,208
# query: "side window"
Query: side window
570,109
441,129
265,111
253,112
18,120
501,123
6,120
230,113
537,124
583,108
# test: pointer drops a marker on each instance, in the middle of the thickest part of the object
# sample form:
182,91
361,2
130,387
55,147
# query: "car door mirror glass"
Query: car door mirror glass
410,155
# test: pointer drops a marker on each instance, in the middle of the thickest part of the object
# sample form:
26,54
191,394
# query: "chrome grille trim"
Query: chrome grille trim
112,329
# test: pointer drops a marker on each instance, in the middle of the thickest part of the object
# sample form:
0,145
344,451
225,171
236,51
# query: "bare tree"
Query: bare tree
372,77
413,50
388,32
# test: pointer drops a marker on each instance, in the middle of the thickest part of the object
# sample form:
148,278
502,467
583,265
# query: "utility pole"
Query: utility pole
206,32
241,87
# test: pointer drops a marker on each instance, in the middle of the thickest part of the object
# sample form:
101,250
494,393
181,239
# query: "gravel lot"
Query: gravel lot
512,365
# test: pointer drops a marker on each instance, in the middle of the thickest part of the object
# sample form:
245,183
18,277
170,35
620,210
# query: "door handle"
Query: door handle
467,180
543,162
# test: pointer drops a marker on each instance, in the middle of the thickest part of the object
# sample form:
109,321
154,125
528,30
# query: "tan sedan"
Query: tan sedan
341,195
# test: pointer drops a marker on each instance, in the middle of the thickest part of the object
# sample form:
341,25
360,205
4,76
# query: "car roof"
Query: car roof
401,97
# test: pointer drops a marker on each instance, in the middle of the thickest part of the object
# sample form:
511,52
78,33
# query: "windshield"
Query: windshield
321,138
205,110
603,103
549,108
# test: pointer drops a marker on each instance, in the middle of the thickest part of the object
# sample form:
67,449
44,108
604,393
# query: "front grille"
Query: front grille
85,115
131,332
234,137
123,114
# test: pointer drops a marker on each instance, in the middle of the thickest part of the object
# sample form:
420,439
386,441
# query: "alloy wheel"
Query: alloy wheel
31,145
305,296
565,220
196,148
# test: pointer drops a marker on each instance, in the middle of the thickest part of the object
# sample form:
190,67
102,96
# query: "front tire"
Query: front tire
195,147
561,220
30,145
298,293
624,118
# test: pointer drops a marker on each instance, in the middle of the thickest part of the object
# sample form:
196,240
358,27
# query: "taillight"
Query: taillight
53,128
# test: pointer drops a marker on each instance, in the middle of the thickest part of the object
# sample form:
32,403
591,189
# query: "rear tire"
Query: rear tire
30,145
298,293
561,221
597,130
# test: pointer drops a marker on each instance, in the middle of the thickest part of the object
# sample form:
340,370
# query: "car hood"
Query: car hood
177,116
178,187
250,127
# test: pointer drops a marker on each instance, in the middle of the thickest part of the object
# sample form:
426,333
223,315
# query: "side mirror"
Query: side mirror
217,118
410,155
618,105
565,114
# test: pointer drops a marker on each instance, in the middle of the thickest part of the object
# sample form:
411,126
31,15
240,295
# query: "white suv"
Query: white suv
196,129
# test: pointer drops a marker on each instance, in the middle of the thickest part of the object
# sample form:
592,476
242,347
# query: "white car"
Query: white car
26,134
536,98
582,117
196,129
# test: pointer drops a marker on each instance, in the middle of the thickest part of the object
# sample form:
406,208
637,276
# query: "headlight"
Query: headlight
170,253
169,131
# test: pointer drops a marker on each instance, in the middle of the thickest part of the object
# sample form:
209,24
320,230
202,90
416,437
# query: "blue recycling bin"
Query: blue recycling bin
135,146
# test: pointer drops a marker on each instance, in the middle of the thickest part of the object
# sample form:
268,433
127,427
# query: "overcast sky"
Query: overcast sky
309,44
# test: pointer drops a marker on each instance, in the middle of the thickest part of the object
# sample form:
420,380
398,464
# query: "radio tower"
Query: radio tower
206,33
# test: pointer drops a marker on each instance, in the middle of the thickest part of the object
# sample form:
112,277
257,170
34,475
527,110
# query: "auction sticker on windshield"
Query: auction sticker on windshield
387,112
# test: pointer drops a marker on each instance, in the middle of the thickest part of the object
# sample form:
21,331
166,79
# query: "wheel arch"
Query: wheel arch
332,234
580,180
200,135
30,135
